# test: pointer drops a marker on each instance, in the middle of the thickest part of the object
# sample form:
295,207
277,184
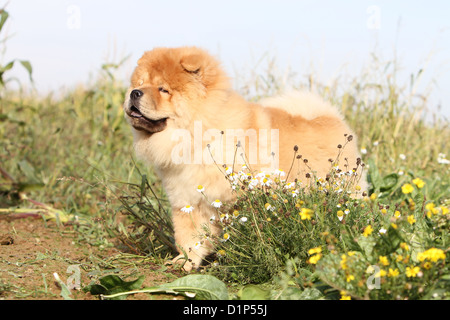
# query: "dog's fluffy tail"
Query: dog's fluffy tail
302,103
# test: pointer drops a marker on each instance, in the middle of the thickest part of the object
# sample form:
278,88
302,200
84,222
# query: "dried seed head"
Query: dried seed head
339,146
349,138
295,148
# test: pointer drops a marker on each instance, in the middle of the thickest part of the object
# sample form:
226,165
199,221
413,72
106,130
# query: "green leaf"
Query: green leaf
196,286
374,176
389,182
3,17
113,285
29,171
366,244
65,292
7,67
388,242
253,292
205,287
27,65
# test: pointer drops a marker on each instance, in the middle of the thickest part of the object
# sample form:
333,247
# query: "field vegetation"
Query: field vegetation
66,161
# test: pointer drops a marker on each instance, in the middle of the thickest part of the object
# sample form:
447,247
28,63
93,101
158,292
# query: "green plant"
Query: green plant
4,15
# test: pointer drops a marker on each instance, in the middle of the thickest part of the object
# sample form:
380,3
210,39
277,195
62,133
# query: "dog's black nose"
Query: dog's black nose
136,94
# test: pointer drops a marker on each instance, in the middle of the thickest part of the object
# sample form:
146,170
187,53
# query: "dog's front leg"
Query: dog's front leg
190,230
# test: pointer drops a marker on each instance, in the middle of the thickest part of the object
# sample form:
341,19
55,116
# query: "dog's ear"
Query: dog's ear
192,64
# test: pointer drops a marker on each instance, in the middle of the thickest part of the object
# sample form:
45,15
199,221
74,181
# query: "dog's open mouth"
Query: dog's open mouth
140,122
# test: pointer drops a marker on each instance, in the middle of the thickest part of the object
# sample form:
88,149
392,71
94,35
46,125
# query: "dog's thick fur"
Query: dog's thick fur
179,88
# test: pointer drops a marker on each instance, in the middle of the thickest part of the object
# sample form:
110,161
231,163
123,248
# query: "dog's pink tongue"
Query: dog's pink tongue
136,114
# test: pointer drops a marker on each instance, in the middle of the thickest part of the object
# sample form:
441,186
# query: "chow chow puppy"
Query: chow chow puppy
189,124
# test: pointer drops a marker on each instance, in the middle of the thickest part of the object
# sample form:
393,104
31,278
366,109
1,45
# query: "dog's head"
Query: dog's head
169,84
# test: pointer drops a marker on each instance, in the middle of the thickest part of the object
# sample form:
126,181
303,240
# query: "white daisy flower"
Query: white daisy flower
243,220
200,188
197,245
233,177
266,182
346,211
294,193
253,183
402,156
290,185
212,219
216,203
442,160
382,230
280,172
228,170
262,174
224,216
187,209
363,150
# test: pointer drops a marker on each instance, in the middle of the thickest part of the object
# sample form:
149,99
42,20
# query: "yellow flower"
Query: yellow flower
381,273
340,215
235,213
351,253
419,183
315,250
393,273
404,246
373,196
226,236
383,260
383,211
344,262
345,296
367,231
221,253
427,265
444,210
350,278
407,188
315,258
306,214
397,214
393,225
411,219
412,272
200,188
432,254
430,206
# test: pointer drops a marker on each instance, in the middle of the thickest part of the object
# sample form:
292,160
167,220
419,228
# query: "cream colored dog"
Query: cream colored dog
187,120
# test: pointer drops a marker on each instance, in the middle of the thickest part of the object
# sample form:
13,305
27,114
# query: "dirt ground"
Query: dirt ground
32,250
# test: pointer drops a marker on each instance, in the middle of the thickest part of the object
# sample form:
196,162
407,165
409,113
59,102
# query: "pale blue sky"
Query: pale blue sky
67,40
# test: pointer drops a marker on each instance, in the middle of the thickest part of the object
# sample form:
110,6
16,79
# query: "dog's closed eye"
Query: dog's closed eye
161,89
